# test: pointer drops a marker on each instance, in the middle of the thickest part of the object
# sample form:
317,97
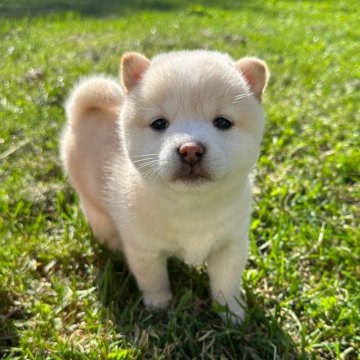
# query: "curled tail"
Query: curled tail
91,94
87,144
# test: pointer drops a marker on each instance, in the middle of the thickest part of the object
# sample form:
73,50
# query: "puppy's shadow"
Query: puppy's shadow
188,329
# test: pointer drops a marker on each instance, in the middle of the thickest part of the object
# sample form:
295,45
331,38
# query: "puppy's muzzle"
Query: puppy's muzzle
191,152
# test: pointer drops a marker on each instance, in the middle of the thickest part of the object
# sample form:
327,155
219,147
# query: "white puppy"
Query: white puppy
161,164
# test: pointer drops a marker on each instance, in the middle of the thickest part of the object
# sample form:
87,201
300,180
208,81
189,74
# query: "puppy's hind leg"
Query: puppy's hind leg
101,225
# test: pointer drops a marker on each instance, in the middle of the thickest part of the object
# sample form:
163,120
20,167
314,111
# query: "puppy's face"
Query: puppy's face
191,118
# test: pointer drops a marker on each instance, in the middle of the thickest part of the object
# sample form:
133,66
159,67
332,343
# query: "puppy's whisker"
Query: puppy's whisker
240,97
162,172
148,164
138,156
146,161
150,173
154,172
142,160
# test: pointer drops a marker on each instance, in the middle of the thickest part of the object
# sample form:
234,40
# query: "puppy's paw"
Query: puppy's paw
234,314
159,300
235,317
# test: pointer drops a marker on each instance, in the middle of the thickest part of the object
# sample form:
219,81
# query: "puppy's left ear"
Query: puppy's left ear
256,74
132,68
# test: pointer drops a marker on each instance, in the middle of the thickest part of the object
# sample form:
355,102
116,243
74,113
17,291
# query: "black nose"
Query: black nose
191,152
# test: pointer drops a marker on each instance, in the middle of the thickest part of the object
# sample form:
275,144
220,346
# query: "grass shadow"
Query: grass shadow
188,329
83,7
113,8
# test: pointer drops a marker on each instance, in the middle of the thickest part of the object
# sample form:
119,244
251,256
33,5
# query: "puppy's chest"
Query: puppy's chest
192,231
193,238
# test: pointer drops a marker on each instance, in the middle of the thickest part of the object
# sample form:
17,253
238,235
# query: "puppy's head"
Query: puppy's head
192,118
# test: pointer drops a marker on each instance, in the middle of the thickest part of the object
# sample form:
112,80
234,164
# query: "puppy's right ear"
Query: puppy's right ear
132,67
255,72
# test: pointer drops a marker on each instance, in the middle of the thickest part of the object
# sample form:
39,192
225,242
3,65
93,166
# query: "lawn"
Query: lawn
63,296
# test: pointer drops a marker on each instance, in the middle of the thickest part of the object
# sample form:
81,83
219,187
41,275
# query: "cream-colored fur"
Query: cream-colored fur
137,192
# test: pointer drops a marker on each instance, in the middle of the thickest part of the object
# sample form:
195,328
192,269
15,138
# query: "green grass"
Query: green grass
63,296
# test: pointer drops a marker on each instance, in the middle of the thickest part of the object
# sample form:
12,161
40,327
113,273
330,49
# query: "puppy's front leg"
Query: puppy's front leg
150,270
225,268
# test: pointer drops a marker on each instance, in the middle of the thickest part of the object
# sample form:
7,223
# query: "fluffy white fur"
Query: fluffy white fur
136,191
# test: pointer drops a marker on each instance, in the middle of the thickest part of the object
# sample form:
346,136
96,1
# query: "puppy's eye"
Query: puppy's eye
159,124
222,123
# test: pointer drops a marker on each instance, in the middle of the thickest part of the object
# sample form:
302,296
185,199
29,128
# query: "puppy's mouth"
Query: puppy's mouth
192,175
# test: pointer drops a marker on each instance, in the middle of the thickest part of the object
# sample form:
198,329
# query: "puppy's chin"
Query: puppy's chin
191,176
